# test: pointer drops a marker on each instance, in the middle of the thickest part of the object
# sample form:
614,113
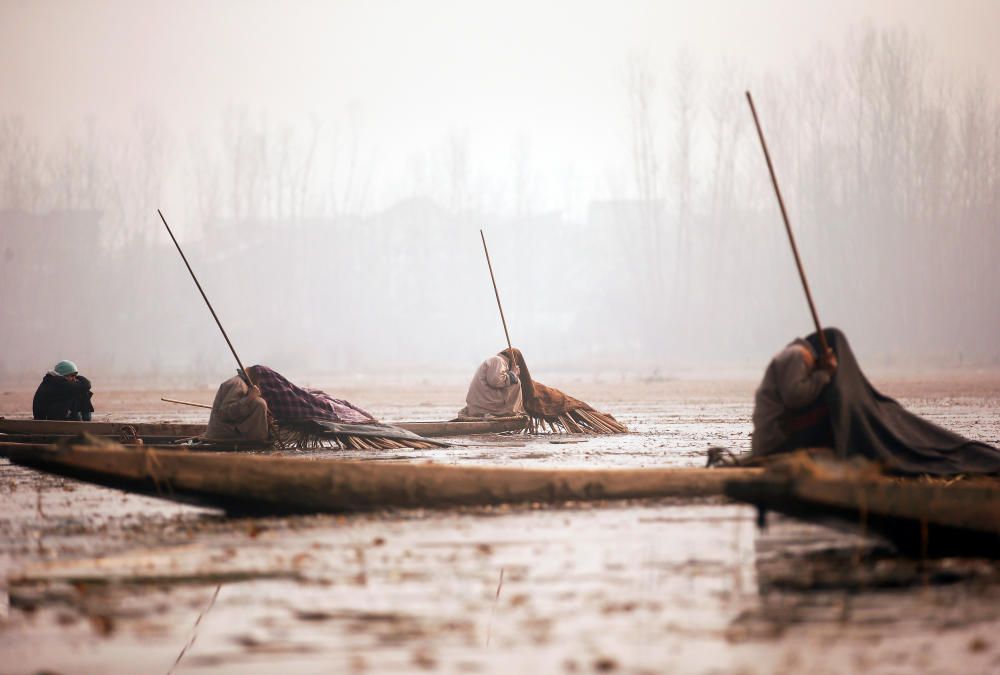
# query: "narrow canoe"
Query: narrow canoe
922,517
146,430
39,430
282,484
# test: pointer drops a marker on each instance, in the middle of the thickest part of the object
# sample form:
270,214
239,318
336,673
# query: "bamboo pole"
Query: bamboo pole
788,229
205,298
503,320
196,405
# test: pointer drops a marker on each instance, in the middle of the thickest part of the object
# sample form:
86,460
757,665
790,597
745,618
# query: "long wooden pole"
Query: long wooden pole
497,293
788,229
196,405
205,297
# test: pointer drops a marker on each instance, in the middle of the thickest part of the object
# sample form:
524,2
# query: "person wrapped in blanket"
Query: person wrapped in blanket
495,390
503,386
788,412
239,413
805,402
244,412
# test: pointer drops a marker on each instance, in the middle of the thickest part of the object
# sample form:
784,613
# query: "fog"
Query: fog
327,168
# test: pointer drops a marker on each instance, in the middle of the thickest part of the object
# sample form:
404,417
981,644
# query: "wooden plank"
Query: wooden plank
922,517
53,428
966,505
497,425
296,484
969,506
168,430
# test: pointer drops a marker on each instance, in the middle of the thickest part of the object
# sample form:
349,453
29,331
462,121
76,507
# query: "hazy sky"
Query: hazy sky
403,78
415,72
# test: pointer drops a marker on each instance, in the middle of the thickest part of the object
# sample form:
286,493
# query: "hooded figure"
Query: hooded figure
275,409
788,412
864,422
495,389
502,383
64,394
239,413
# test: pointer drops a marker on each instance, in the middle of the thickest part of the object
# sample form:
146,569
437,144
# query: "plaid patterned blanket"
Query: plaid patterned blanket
290,403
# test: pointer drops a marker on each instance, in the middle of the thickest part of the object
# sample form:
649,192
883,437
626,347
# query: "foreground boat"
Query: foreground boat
281,484
920,516
165,432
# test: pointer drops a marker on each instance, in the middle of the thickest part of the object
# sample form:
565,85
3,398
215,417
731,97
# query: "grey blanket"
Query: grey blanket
868,423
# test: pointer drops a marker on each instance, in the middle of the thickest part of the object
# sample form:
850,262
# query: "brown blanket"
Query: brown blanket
548,405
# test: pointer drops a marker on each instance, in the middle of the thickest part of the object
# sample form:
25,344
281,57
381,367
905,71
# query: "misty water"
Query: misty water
644,586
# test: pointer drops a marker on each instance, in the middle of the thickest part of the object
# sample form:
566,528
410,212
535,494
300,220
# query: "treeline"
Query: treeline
891,171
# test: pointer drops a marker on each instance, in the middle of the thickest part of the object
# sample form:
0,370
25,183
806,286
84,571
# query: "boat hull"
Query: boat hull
153,432
281,484
921,518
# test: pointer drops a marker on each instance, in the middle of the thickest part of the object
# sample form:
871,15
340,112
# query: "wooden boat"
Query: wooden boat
495,425
164,432
151,432
923,517
282,484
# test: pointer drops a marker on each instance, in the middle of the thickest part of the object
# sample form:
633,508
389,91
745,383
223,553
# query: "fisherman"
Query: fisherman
495,390
64,394
803,404
239,413
788,411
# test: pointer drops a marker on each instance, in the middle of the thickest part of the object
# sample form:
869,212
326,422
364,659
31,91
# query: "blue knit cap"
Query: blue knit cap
65,368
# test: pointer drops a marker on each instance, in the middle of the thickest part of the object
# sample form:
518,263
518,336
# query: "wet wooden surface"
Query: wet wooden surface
166,430
301,484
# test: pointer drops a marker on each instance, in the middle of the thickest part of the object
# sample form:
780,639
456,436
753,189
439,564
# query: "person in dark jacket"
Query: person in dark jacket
64,394
788,411
805,403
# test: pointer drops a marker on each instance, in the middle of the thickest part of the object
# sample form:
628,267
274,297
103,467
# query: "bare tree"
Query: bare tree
683,97
207,184
646,175
728,128
304,171
645,163
20,166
